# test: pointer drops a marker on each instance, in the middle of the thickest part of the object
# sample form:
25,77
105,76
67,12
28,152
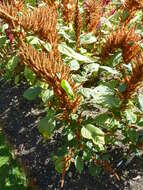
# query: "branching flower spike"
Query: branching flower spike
124,39
93,13
135,80
77,24
53,73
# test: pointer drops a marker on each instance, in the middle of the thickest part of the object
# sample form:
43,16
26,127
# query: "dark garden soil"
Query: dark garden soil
19,118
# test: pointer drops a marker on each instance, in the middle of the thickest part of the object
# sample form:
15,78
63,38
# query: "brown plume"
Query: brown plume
68,7
77,24
93,13
53,72
135,80
124,39
42,21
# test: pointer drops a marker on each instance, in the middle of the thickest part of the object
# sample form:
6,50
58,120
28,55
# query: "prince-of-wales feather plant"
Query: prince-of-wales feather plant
85,60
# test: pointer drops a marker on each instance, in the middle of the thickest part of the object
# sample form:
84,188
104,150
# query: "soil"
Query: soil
20,117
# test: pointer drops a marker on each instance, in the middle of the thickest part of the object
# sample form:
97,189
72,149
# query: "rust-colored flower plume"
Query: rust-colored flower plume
68,7
93,13
53,72
77,24
42,21
124,39
135,80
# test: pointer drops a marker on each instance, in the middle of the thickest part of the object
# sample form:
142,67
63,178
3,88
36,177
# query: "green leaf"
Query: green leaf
92,68
16,79
79,163
95,134
2,41
3,160
88,38
47,95
94,170
59,165
64,49
71,136
130,116
133,135
31,2
12,63
46,125
102,95
109,70
32,93
122,87
29,75
140,123
68,89
74,65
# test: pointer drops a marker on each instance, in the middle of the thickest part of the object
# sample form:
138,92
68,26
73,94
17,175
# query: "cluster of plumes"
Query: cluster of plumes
68,7
77,24
52,72
135,80
124,39
93,12
49,67
42,21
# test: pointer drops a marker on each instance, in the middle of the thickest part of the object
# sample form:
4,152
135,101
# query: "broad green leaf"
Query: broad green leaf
47,95
105,96
65,35
133,135
109,70
12,63
3,160
47,46
140,123
88,38
79,163
95,134
16,79
106,121
74,65
94,170
46,125
32,93
130,116
64,49
29,75
2,41
92,68
59,165
71,136
68,89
